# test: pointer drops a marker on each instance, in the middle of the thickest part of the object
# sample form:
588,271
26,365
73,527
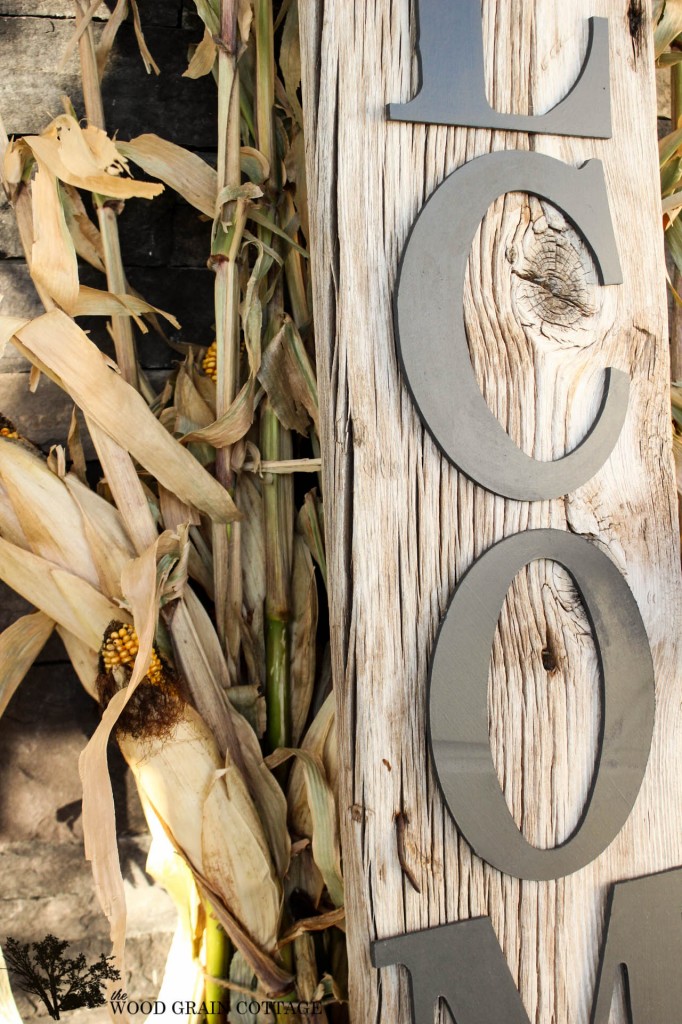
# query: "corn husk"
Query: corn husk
312,807
143,587
51,520
61,348
67,599
185,172
20,645
54,267
86,158
203,58
210,814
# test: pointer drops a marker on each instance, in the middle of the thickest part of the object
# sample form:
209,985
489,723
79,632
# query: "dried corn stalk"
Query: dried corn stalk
185,589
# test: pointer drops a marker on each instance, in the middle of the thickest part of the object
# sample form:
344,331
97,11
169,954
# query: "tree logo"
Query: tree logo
60,982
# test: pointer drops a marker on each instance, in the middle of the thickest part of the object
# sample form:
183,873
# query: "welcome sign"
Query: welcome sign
490,311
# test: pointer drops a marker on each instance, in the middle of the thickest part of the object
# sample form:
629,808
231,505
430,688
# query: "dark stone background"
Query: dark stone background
45,883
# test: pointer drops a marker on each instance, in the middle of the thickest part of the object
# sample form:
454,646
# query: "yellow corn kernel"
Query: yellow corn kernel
121,646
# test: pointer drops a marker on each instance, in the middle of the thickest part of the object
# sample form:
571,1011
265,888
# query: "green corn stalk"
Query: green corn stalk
225,260
275,442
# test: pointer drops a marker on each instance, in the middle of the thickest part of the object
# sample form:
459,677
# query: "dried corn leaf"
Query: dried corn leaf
203,58
208,13
289,380
75,447
68,599
95,302
267,795
273,978
58,343
244,18
290,61
303,632
13,160
295,164
20,645
53,257
83,20
109,34
175,512
51,520
86,158
9,325
255,213
185,172
105,535
142,586
304,874
324,827
668,24
234,424
10,527
189,402
85,661
200,659
149,62
254,165
318,923
126,488
320,740
236,858
248,700
242,979
310,522
250,501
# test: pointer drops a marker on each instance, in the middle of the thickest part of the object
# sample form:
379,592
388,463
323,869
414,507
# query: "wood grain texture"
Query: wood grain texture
402,525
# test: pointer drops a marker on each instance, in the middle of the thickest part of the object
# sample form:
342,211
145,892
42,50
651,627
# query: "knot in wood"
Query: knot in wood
554,286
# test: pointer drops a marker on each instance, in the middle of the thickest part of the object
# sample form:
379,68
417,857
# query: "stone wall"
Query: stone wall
45,884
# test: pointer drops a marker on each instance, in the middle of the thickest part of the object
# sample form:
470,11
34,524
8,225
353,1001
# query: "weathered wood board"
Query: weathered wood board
403,525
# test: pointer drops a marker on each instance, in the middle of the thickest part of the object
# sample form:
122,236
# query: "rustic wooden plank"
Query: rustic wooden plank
181,109
403,526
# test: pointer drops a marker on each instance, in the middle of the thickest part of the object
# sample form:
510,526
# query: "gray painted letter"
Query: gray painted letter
431,333
463,965
644,936
458,706
453,80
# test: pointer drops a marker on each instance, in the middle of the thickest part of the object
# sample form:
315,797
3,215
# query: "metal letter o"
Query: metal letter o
458,706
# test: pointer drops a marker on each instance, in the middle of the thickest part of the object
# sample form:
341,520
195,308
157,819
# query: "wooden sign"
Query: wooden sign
501,515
